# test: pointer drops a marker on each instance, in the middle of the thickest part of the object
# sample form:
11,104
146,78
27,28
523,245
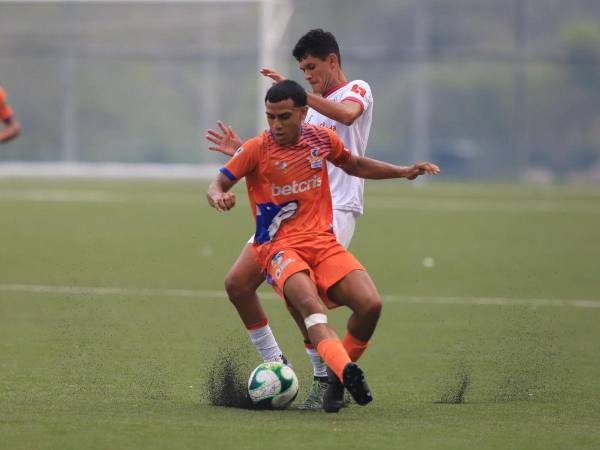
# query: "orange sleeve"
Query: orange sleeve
339,153
244,161
5,110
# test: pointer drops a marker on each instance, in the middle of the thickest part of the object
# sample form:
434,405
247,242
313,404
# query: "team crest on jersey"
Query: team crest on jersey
316,161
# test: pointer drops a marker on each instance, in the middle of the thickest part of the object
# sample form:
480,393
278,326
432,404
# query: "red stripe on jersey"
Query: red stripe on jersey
355,100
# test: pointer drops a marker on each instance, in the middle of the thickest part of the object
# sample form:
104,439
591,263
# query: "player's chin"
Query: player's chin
280,139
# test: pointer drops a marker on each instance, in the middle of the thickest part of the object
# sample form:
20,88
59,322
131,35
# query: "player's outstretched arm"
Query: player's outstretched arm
226,143
218,194
10,131
373,169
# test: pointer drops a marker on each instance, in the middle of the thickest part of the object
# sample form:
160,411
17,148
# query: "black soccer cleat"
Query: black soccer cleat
354,381
333,398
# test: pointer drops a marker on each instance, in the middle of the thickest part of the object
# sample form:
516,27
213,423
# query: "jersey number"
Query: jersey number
361,91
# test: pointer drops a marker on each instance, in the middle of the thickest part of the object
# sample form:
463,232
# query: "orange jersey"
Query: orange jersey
5,110
288,186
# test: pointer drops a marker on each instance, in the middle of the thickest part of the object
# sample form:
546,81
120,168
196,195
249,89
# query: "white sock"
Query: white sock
265,343
319,367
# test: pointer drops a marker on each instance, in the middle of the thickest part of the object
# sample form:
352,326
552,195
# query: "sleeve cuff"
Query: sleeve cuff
355,100
228,174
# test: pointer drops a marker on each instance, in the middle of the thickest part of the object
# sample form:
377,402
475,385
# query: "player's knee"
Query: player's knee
372,306
236,289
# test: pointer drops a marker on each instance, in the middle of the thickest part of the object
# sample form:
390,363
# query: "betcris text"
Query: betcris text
294,187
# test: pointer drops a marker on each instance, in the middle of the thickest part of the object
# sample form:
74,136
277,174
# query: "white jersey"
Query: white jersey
346,190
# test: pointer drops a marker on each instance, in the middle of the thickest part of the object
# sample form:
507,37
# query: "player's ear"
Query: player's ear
332,60
303,112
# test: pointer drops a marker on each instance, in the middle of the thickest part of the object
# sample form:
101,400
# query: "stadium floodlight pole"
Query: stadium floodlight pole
273,20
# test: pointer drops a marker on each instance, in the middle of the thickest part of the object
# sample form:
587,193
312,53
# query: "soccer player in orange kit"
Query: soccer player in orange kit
11,129
345,105
288,188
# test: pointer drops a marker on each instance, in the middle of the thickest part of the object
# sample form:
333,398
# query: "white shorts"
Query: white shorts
344,223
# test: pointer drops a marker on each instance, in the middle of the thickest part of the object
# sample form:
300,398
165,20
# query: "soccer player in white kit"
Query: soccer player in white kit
346,107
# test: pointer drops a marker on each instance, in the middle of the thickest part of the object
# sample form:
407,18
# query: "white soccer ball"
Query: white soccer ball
273,385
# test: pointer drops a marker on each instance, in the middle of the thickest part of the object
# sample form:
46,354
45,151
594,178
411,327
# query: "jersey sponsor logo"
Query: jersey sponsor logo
296,187
331,126
238,151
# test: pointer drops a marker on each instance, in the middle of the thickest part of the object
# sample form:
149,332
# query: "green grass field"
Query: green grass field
112,312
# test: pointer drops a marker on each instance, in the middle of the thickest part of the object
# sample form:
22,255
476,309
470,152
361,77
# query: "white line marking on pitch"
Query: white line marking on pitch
215,294
450,204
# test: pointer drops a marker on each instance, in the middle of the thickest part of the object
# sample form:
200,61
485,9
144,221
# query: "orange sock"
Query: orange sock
354,347
333,353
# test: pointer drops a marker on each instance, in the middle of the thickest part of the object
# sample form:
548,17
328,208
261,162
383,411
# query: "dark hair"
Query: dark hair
286,89
317,43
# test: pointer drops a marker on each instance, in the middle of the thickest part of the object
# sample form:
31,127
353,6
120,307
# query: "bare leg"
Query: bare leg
358,292
314,397
299,321
241,283
301,293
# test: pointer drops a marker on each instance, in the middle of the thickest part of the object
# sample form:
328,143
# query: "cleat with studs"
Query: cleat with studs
314,399
354,381
333,399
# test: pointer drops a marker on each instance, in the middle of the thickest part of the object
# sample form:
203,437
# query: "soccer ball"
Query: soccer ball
273,385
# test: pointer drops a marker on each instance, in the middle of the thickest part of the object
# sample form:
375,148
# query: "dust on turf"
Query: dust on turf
454,388
227,377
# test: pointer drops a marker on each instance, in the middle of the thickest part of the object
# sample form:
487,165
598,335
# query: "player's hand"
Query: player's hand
272,74
422,168
222,201
226,143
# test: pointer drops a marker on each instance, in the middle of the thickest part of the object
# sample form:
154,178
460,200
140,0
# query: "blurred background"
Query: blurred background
502,89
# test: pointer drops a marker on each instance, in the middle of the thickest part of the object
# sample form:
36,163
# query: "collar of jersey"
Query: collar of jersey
328,92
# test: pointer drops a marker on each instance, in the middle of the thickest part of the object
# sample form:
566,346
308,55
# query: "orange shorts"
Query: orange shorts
323,258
